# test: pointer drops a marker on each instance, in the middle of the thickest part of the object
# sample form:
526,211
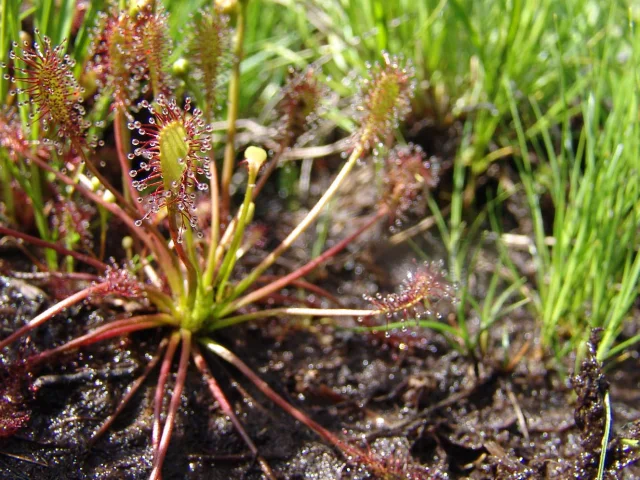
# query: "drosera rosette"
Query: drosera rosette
175,162
193,286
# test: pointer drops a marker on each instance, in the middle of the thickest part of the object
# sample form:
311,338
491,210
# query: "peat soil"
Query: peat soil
413,404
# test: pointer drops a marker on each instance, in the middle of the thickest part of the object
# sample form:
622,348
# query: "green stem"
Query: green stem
605,437
215,226
192,274
232,116
300,228
7,191
38,211
244,215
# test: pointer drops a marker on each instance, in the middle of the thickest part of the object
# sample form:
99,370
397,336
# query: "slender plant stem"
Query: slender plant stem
273,163
234,100
97,264
113,329
300,272
87,277
308,286
39,216
605,437
173,404
165,368
220,397
227,236
133,388
302,226
230,259
5,179
192,274
215,226
53,311
230,357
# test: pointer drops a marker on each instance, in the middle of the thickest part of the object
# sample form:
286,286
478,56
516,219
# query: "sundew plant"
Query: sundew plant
185,235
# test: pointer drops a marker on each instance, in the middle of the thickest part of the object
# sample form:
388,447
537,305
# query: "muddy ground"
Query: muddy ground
409,401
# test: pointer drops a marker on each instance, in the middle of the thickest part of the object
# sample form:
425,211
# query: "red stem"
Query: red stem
219,396
52,311
97,264
173,405
159,396
300,272
132,391
278,400
113,329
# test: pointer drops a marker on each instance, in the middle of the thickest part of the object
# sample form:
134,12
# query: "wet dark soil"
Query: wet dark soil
414,405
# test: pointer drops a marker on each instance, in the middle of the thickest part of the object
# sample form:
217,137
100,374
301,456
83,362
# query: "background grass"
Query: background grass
550,87
547,88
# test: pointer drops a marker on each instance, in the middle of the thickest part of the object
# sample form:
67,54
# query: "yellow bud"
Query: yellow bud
127,243
255,157
180,67
108,197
